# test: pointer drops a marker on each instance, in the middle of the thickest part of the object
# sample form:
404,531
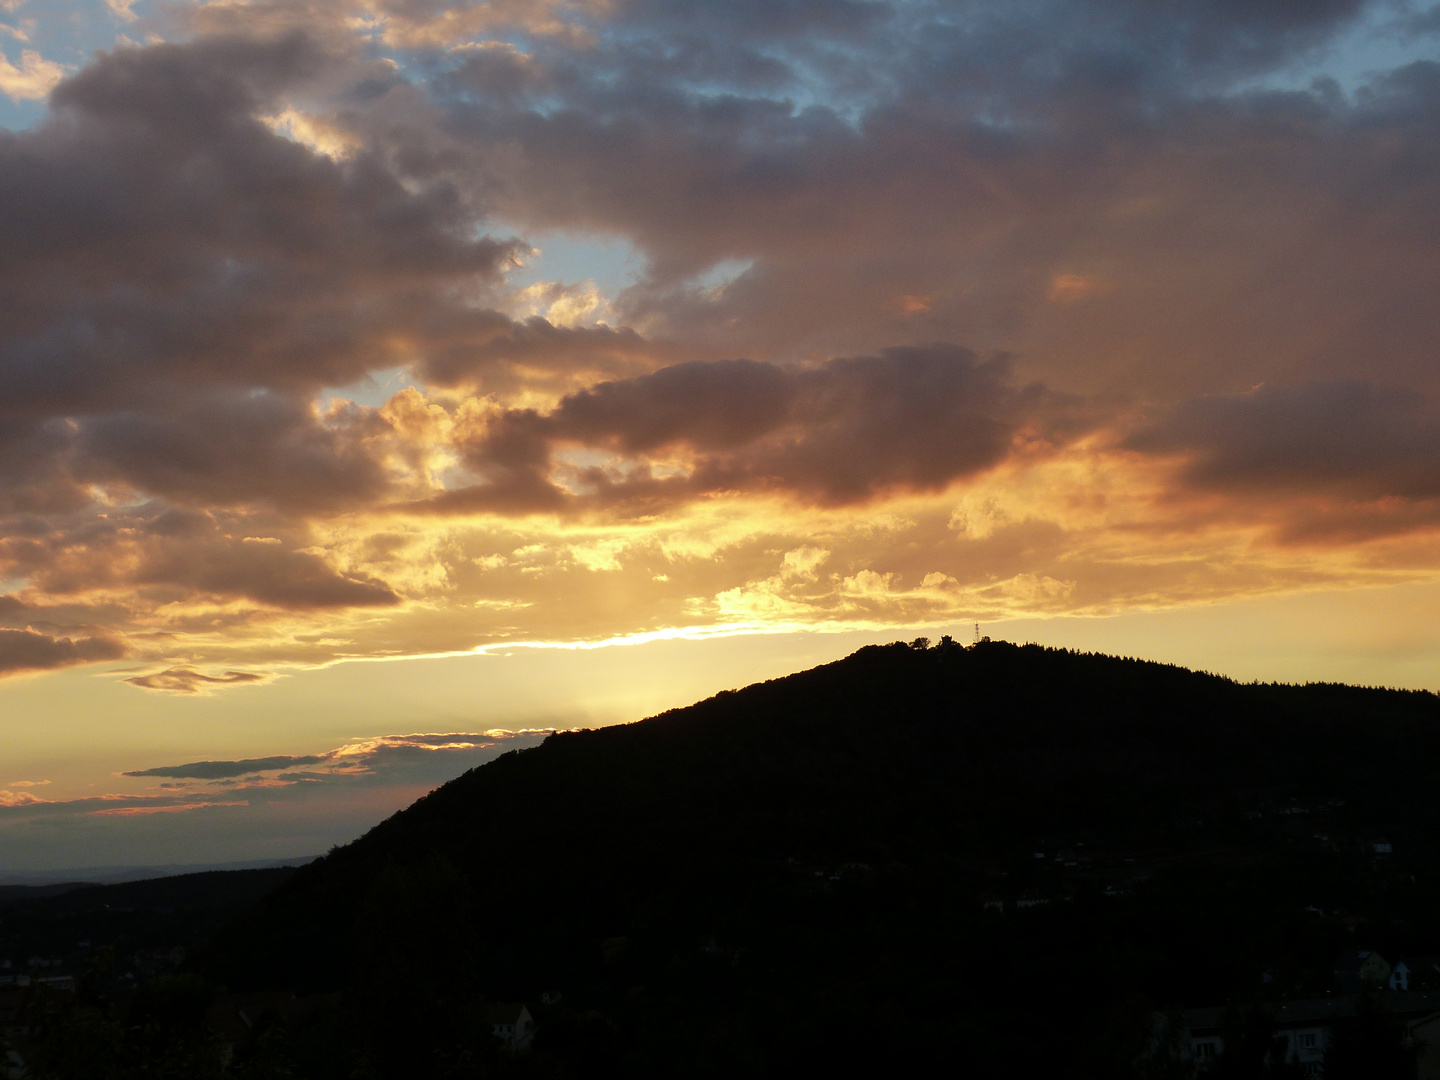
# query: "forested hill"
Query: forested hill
806,860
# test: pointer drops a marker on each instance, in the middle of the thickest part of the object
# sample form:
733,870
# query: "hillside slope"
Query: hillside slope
796,871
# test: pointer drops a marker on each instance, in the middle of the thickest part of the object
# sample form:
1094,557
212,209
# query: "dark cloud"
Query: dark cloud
221,770
935,177
1349,438
158,230
384,756
909,419
229,450
180,280
184,680
268,574
30,650
1327,463
1148,201
491,350
184,552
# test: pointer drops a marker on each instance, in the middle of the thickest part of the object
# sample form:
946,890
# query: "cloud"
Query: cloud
234,449
34,78
10,799
23,806
181,680
185,556
885,266
219,770
909,419
985,159
367,757
161,302
30,650
171,808
267,574
269,806
386,771
1350,436
1366,452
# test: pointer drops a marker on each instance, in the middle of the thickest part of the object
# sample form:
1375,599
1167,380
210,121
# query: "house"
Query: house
1415,973
1358,968
232,1017
511,1023
1399,976
1031,898
1303,1029
1305,1026
991,902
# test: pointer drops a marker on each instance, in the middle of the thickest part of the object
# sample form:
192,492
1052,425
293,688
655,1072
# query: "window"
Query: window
1204,1049
1308,1041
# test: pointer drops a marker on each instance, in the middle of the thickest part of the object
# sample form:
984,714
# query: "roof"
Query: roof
1401,1004
1420,963
232,1016
503,1012
1355,959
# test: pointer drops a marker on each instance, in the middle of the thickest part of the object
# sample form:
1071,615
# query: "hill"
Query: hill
805,872
136,926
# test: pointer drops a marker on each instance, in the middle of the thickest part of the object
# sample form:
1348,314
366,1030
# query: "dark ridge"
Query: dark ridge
802,864
205,889
49,920
21,893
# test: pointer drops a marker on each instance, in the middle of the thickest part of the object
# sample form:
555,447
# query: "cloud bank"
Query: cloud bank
1004,309
280,800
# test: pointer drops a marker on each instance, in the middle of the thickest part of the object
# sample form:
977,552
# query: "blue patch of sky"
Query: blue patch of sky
375,389
66,33
1387,37
612,262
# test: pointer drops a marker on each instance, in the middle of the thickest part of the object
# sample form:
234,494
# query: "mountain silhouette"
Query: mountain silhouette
993,856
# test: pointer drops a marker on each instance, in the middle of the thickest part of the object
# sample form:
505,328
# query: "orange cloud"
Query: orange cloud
178,808
1070,288
20,798
184,680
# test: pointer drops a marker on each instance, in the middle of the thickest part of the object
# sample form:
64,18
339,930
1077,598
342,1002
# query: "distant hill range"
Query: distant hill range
995,856
14,881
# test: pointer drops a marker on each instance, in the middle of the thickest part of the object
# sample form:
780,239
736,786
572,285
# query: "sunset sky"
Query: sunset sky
385,382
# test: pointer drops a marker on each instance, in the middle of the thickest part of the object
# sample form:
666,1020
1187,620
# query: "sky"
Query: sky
386,383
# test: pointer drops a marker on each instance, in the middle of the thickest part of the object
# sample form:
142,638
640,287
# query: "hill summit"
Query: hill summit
994,855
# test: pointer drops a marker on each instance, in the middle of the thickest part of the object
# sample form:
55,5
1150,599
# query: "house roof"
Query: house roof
1355,959
232,1016
1299,1013
503,1012
1420,963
